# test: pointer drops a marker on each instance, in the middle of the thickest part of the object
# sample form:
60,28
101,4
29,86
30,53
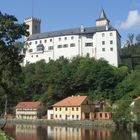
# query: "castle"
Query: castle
101,41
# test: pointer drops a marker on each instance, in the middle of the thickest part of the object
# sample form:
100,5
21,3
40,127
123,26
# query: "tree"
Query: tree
10,69
130,39
136,110
138,39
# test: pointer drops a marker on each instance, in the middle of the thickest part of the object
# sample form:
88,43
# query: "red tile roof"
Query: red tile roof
71,101
137,98
28,104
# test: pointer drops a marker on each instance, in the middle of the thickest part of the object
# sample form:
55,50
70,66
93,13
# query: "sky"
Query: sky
124,15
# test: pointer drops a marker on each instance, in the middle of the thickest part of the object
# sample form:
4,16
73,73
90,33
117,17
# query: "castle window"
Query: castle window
111,41
103,34
72,37
111,34
30,50
72,45
59,46
111,49
103,49
40,48
89,44
50,48
103,42
65,45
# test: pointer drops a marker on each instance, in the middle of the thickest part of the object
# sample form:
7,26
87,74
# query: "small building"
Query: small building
73,108
29,110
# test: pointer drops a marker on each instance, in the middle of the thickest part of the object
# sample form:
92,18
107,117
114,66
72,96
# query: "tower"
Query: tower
34,25
102,20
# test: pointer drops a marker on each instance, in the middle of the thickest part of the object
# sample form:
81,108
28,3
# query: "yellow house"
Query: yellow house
29,110
73,108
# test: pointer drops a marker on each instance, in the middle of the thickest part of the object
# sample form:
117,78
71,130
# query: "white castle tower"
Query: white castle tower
34,25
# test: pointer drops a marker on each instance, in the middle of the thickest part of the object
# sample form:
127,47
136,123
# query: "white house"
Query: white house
101,41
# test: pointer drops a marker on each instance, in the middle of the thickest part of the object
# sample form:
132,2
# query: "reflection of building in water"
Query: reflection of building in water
26,132
71,133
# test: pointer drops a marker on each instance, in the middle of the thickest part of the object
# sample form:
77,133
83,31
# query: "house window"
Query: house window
59,46
77,108
60,116
50,48
50,40
65,38
111,41
77,116
111,49
72,45
32,55
65,45
89,44
103,42
55,109
40,41
66,108
56,116
105,115
35,42
59,109
73,116
59,39
111,34
100,115
30,50
72,37
103,49
30,43
103,34
45,41
72,108
36,55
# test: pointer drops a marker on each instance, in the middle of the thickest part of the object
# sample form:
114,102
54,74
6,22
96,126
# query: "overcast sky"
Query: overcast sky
63,14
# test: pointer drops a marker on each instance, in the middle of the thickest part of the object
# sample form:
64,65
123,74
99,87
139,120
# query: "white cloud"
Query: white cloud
132,21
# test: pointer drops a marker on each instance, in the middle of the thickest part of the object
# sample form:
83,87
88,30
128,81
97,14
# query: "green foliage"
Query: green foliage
136,111
122,112
10,69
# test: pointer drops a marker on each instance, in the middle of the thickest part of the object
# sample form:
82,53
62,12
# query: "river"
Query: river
34,132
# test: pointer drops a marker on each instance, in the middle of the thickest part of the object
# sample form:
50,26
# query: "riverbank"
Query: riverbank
81,123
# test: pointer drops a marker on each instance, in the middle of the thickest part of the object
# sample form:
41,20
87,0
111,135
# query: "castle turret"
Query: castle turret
34,25
102,20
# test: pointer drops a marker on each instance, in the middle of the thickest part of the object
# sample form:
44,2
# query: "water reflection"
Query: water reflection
34,132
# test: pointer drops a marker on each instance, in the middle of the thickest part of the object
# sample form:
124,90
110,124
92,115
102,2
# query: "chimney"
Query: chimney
82,28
